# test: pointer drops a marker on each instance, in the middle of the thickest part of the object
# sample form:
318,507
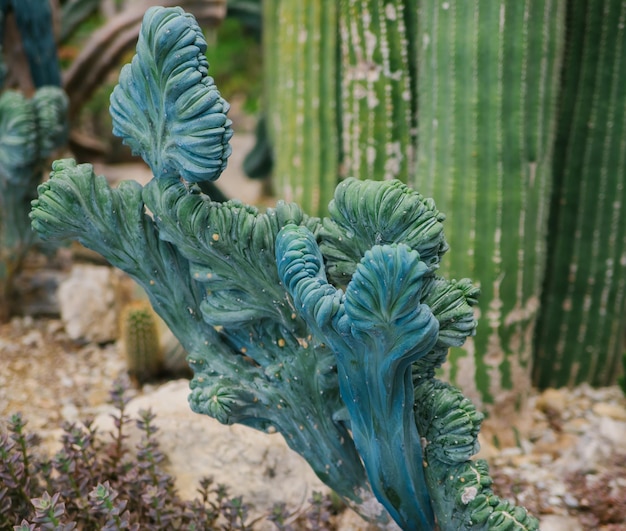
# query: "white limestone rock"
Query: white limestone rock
88,303
255,465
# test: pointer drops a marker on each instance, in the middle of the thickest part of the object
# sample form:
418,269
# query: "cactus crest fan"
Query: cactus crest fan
166,106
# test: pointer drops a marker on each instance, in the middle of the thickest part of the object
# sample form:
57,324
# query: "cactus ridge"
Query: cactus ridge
581,329
485,136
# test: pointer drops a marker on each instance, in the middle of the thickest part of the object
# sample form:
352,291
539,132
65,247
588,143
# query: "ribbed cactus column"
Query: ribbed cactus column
581,330
300,43
487,79
377,101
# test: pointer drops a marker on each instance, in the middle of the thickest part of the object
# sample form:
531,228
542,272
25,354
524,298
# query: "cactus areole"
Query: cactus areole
327,331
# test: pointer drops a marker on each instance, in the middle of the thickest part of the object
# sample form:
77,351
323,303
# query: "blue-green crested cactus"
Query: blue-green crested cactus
327,331
31,129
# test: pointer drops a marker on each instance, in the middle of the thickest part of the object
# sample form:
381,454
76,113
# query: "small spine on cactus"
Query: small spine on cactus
300,47
140,341
580,336
376,90
487,82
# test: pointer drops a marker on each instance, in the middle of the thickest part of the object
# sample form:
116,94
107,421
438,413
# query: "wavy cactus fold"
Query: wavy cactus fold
449,424
391,214
176,120
327,331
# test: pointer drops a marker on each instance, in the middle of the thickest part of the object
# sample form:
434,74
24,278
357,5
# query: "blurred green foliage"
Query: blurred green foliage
235,56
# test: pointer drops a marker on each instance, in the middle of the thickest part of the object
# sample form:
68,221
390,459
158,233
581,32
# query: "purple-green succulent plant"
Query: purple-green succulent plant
328,331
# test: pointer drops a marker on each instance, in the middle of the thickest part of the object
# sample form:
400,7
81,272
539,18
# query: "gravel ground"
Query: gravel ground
569,469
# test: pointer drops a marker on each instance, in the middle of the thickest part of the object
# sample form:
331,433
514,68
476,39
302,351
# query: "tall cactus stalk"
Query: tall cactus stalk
377,103
339,94
31,129
581,331
301,52
487,81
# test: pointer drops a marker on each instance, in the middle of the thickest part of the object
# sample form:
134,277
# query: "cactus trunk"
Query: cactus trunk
300,42
581,332
487,81
377,103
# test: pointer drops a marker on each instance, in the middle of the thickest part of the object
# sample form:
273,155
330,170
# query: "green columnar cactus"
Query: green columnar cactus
484,77
581,331
275,343
300,44
340,98
487,81
30,130
377,96
140,341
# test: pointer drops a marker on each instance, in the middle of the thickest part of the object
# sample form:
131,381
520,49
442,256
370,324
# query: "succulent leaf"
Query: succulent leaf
300,268
383,305
166,107
224,399
74,202
448,422
460,488
452,303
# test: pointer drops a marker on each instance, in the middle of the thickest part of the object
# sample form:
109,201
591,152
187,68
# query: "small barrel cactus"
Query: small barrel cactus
139,337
